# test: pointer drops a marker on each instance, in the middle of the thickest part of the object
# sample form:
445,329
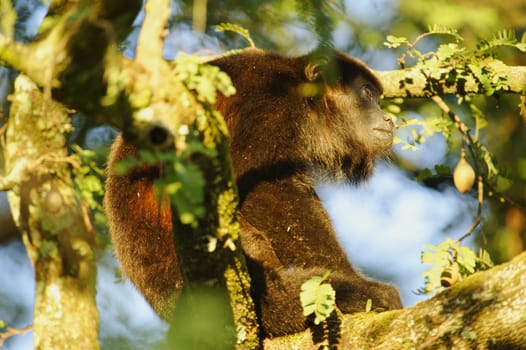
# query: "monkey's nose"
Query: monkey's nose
389,120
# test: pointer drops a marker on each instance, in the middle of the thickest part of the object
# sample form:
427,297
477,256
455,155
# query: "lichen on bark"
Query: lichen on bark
52,221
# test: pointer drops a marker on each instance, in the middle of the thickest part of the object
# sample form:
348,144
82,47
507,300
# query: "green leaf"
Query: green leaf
442,169
394,41
446,253
317,298
368,305
502,38
394,109
229,27
484,259
447,51
424,174
203,79
147,156
440,29
466,258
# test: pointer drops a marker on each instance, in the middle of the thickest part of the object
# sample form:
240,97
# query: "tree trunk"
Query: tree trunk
54,224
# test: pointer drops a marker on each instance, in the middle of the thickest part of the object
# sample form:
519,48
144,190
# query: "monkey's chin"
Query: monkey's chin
383,139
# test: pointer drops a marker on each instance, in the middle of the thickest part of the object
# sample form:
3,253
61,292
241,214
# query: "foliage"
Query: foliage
181,179
89,183
454,259
318,14
203,79
204,321
223,27
469,64
461,129
318,298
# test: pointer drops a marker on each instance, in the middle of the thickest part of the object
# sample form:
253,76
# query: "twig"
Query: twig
10,331
15,176
480,200
463,129
53,158
3,130
411,46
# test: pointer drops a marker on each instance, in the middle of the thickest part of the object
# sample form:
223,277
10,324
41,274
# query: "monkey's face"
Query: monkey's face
358,106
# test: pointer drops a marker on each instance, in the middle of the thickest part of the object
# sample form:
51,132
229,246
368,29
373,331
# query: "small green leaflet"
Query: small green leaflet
230,27
442,256
394,42
318,298
368,305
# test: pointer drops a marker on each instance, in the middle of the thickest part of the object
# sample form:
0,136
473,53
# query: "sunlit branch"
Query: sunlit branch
151,39
418,82
22,58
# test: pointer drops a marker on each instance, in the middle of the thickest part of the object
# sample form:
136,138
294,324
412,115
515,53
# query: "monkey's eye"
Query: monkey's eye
367,93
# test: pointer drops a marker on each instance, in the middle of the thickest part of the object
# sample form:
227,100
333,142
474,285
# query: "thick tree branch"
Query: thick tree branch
59,240
218,272
485,311
151,40
78,57
418,82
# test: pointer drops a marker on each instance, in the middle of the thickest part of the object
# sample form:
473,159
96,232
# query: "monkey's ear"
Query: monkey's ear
314,70
314,84
321,72
323,67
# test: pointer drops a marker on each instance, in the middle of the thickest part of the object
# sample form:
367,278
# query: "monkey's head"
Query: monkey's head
354,130
317,116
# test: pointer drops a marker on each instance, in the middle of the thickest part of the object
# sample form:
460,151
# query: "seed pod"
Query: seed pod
464,175
450,275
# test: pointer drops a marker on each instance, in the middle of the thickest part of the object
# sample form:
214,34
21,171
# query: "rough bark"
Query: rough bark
53,223
485,311
418,82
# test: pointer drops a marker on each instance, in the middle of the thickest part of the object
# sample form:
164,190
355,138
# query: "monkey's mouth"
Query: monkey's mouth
385,131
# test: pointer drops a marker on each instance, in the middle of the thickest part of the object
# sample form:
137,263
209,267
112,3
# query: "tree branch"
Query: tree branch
151,39
418,82
485,311
10,332
50,218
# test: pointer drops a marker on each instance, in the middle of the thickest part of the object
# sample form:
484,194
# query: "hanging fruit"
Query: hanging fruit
464,175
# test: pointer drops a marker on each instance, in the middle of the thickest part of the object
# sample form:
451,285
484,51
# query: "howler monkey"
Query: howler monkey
293,121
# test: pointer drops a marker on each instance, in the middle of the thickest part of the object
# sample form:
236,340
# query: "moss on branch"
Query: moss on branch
417,82
485,311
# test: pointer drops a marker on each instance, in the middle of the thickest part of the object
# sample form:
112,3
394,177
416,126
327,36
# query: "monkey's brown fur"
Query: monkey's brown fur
282,140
